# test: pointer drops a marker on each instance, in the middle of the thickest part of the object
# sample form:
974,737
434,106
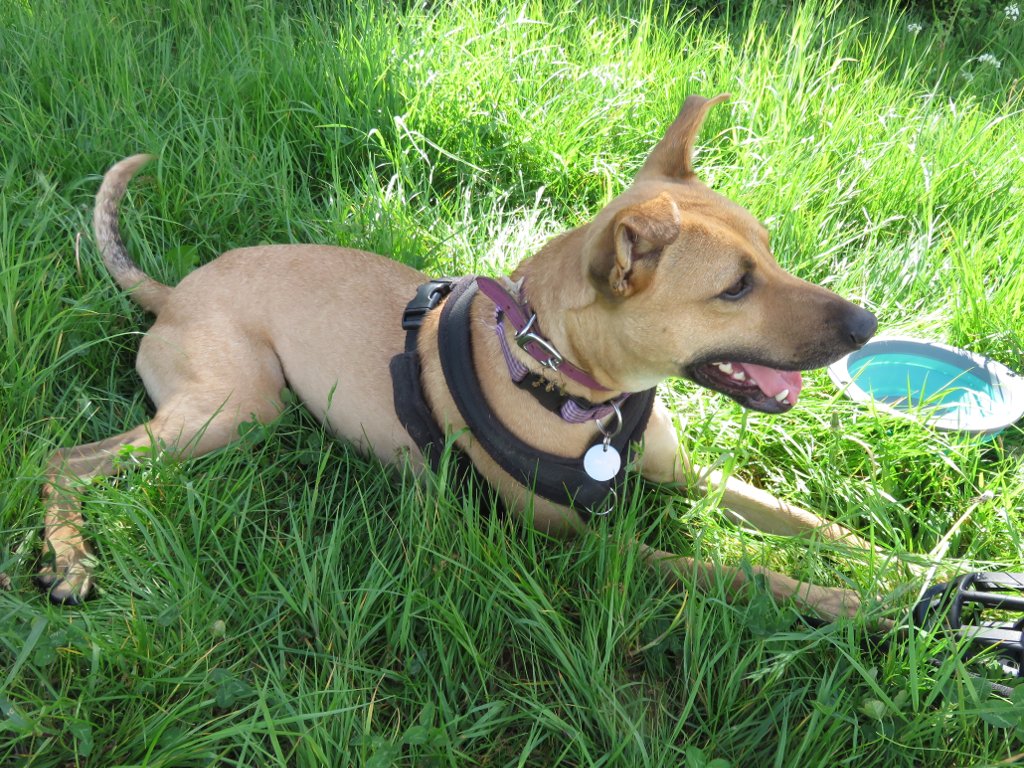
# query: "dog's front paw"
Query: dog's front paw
832,603
68,580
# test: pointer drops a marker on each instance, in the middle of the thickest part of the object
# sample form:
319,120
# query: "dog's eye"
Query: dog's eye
738,289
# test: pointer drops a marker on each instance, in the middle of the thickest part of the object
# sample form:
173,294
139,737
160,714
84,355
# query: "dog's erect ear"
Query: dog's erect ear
638,235
673,155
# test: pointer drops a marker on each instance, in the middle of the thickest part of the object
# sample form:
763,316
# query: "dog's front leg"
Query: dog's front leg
761,510
663,462
826,602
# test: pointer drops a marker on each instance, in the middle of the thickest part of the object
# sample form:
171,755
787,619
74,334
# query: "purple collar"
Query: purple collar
528,338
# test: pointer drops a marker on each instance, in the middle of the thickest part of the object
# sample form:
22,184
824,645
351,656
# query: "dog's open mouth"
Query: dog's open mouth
757,387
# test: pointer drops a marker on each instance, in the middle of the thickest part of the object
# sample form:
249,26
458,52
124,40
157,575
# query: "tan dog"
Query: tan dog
670,279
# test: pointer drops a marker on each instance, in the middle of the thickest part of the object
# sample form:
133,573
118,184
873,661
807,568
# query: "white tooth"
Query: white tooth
725,367
740,376
781,397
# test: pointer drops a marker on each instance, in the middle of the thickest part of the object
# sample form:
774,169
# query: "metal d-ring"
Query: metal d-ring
607,432
527,336
611,500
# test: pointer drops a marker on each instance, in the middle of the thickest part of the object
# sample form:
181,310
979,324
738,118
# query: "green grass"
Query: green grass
283,602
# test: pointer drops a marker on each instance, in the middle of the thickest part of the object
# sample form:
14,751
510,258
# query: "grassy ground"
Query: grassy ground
282,602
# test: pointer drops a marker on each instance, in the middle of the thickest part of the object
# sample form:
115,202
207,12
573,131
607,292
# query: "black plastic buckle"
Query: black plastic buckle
427,297
985,609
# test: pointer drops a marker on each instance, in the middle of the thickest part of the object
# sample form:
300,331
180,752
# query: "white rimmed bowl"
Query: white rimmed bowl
946,387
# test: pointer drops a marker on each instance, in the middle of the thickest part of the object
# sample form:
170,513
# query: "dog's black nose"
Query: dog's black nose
861,326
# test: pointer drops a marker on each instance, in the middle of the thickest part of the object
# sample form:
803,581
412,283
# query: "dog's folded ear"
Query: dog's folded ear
639,233
672,157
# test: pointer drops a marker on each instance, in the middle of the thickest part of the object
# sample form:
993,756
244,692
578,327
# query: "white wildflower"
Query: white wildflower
988,58
1012,12
913,27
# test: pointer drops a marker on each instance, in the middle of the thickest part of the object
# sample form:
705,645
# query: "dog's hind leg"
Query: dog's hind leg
184,426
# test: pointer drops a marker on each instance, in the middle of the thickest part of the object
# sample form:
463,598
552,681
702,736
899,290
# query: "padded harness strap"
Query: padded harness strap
410,403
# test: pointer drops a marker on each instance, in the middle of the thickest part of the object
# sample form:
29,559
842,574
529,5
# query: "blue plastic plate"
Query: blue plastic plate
946,387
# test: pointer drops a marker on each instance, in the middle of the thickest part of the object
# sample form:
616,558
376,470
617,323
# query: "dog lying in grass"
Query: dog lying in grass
546,377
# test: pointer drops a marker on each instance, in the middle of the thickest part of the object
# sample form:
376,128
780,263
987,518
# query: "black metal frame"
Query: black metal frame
960,606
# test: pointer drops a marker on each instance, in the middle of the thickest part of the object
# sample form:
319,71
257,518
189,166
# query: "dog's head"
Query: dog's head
684,283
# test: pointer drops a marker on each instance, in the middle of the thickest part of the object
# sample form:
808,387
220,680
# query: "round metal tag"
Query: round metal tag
602,462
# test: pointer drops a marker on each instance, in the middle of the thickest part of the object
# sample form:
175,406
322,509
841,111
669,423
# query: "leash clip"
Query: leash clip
525,337
984,609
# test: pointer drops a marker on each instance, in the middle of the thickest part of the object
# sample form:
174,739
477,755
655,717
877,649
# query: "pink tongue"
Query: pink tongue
771,381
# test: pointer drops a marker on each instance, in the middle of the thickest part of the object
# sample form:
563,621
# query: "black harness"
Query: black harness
559,479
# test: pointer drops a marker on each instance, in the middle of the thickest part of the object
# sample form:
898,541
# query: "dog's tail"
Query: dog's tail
149,293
